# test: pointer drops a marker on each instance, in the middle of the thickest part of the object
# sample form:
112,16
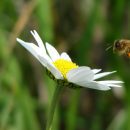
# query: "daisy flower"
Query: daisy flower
63,70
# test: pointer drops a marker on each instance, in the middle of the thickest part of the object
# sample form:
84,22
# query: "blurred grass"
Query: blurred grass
86,40
25,90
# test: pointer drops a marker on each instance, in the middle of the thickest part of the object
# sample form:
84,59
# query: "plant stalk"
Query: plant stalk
55,98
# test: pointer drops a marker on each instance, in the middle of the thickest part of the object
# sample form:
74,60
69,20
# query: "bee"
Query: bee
122,47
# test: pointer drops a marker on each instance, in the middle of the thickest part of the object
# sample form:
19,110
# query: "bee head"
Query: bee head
117,44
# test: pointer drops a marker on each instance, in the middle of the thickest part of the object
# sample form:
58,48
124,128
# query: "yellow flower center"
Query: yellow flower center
64,66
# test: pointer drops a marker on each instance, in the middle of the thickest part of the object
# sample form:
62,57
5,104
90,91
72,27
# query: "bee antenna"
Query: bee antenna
108,48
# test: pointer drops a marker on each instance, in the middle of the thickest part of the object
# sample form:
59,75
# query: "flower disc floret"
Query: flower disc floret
64,66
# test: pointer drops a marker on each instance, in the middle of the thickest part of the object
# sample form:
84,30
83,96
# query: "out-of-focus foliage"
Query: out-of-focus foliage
84,29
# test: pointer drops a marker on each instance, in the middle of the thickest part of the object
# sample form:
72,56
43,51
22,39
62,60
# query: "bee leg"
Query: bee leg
128,53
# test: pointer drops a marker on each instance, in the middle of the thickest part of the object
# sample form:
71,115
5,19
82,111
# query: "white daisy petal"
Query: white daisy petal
65,56
110,82
45,56
39,41
96,70
52,52
51,68
93,85
100,75
80,74
113,85
32,48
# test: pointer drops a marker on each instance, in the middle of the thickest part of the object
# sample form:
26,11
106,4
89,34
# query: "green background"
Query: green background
83,29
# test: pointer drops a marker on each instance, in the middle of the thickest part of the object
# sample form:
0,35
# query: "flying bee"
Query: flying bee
122,47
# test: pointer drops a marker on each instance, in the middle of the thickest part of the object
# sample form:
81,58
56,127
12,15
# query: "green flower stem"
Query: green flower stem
52,107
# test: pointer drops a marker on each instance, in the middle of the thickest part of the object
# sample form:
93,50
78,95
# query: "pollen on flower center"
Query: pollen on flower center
64,66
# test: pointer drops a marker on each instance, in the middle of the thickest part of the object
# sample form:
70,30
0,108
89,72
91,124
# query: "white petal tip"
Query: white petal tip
114,71
120,82
115,85
34,31
53,53
19,40
47,44
106,89
31,32
96,70
65,56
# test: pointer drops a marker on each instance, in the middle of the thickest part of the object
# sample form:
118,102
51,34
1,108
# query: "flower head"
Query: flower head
64,70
